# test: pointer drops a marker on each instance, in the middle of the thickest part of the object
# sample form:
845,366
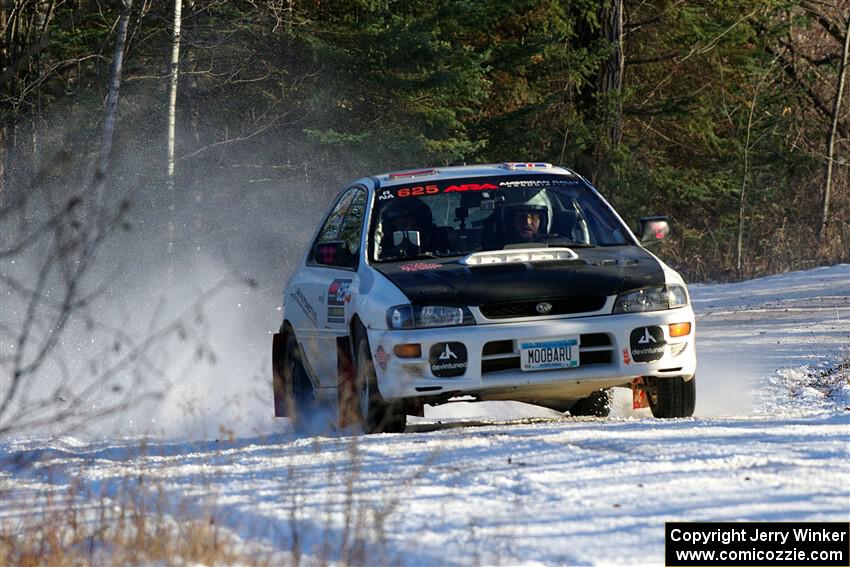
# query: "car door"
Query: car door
329,287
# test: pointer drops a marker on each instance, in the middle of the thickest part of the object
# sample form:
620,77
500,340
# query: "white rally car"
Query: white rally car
496,282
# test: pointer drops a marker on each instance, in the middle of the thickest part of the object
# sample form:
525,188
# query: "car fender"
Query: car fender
671,276
375,294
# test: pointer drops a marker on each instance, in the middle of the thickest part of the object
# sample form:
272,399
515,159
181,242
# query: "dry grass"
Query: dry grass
138,522
132,528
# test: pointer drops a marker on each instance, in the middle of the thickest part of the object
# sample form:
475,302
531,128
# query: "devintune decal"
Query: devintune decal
448,359
647,344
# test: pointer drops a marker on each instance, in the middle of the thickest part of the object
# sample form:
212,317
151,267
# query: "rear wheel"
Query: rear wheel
302,396
376,414
597,404
671,397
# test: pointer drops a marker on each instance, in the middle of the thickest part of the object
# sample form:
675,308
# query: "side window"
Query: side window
353,224
343,224
330,230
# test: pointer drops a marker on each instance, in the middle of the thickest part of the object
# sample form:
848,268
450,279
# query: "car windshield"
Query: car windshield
454,217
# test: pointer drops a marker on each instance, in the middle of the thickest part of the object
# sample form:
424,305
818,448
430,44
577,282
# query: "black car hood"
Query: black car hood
598,271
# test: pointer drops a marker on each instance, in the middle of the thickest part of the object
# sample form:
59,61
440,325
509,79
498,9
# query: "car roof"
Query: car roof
464,171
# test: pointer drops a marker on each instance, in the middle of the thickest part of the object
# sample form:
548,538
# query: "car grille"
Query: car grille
560,306
595,348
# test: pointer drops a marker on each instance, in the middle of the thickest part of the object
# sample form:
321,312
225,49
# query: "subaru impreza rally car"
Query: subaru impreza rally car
494,282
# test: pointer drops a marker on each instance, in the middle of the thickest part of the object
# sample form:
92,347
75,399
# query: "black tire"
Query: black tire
302,396
375,414
672,397
597,404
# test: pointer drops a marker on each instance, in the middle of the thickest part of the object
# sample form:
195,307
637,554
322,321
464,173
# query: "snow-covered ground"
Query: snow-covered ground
503,483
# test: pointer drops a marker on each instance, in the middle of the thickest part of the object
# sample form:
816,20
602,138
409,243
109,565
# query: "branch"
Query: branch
831,27
630,27
820,105
658,59
257,132
697,50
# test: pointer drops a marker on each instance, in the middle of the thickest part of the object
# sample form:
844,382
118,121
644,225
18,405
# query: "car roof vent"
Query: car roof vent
410,174
526,165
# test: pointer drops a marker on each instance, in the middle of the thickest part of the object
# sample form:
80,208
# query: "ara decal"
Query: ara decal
470,187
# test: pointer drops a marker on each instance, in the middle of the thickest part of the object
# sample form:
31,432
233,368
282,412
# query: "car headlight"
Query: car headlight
655,298
424,316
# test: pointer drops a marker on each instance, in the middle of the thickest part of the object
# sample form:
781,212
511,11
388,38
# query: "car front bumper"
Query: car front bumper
607,356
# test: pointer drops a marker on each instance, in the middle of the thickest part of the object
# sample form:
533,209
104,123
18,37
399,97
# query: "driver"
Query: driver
406,215
527,221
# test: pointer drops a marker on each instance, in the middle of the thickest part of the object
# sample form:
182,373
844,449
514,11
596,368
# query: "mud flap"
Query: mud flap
346,383
639,399
278,382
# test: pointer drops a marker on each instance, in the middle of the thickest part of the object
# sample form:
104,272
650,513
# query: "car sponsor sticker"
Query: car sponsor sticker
647,344
338,294
420,266
381,357
526,183
549,354
470,187
302,302
448,359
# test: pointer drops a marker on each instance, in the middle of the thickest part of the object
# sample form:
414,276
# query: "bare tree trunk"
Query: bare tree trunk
610,82
832,131
172,98
611,77
111,105
742,202
4,155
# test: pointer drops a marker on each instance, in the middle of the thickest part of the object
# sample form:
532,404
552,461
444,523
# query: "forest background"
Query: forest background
730,116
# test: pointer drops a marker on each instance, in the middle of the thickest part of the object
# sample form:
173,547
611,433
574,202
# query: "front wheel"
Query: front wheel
375,414
671,397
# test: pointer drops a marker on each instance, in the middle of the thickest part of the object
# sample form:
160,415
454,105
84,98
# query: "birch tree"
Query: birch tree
172,92
111,106
833,129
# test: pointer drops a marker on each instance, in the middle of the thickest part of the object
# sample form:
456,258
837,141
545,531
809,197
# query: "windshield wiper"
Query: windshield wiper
556,239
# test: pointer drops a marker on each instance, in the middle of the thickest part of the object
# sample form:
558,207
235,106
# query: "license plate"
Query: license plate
549,354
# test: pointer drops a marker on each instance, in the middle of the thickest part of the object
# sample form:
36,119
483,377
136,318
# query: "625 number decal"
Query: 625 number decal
417,191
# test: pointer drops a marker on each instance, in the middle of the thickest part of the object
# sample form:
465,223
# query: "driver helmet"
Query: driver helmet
407,213
537,204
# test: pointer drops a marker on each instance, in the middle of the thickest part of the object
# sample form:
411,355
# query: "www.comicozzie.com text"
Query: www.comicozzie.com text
726,537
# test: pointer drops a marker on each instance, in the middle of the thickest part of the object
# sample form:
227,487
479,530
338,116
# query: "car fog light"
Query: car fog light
680,329
412,350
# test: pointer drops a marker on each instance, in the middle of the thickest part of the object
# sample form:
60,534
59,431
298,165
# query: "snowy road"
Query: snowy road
770,441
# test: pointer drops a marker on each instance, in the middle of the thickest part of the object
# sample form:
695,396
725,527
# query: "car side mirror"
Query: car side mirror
653,229
333,253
